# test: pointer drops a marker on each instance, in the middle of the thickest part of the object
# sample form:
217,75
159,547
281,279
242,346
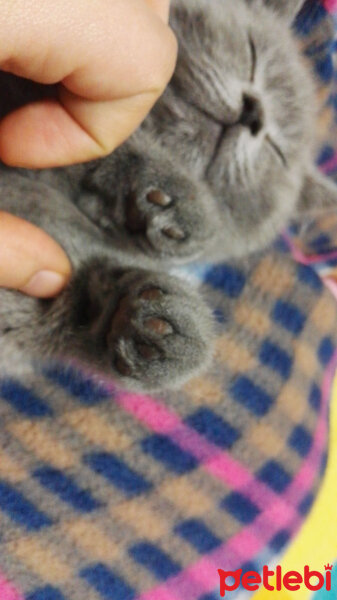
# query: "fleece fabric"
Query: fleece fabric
110,495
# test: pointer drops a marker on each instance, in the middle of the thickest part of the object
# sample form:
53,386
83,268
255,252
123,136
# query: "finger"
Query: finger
50,133
31,261
110,78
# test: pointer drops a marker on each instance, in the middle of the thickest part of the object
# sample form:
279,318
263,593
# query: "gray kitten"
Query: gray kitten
222,163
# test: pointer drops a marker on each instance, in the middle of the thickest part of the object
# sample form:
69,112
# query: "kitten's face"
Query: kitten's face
244,105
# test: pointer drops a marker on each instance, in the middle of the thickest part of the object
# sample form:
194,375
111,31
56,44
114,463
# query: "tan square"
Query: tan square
324,119
237,357
328,222
203,391
292,402
251,318
305,359
10,469
266,440
141,518
42,444
324,315
90,539
96,430
40,559
186,497
272,278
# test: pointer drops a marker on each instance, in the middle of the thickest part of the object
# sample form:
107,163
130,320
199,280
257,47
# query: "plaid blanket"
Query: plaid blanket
109,495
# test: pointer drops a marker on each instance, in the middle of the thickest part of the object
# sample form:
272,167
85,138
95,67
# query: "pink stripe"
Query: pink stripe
202,577
161,595
276,512
242,547
307,473
330,5
298,255
231,472
250,540
331,284
156,416
218,463
331,164
8,591
302,258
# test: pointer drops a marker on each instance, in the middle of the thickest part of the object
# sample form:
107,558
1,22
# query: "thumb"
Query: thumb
31,261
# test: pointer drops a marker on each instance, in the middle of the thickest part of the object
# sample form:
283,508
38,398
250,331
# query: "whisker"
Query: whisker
206,113
254,57
216,149
277,149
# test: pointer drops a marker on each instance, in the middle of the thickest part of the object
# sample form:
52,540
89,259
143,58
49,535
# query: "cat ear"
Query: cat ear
286,8
318,195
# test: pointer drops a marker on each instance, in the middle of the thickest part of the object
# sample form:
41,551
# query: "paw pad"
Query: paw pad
158,198
147,352
154,337
151,294
159,326
174,232
122,367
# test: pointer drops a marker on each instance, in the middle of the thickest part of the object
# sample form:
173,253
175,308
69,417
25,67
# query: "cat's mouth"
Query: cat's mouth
226,128
232,134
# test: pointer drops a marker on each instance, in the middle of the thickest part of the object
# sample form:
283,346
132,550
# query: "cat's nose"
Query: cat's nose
252,114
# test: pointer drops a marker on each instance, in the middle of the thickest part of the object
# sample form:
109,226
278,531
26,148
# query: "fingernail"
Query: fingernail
45,284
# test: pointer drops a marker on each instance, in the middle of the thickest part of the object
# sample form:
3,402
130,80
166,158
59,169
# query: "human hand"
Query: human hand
111,60
31,261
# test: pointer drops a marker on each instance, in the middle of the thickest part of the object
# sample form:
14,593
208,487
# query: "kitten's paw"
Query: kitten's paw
147,203
160,333
170,221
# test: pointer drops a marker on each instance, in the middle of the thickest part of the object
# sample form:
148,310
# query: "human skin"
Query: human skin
111,60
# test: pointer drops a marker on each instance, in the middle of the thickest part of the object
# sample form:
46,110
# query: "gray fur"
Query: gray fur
285,8
230,147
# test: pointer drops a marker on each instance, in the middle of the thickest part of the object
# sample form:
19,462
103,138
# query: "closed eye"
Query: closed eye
254,58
